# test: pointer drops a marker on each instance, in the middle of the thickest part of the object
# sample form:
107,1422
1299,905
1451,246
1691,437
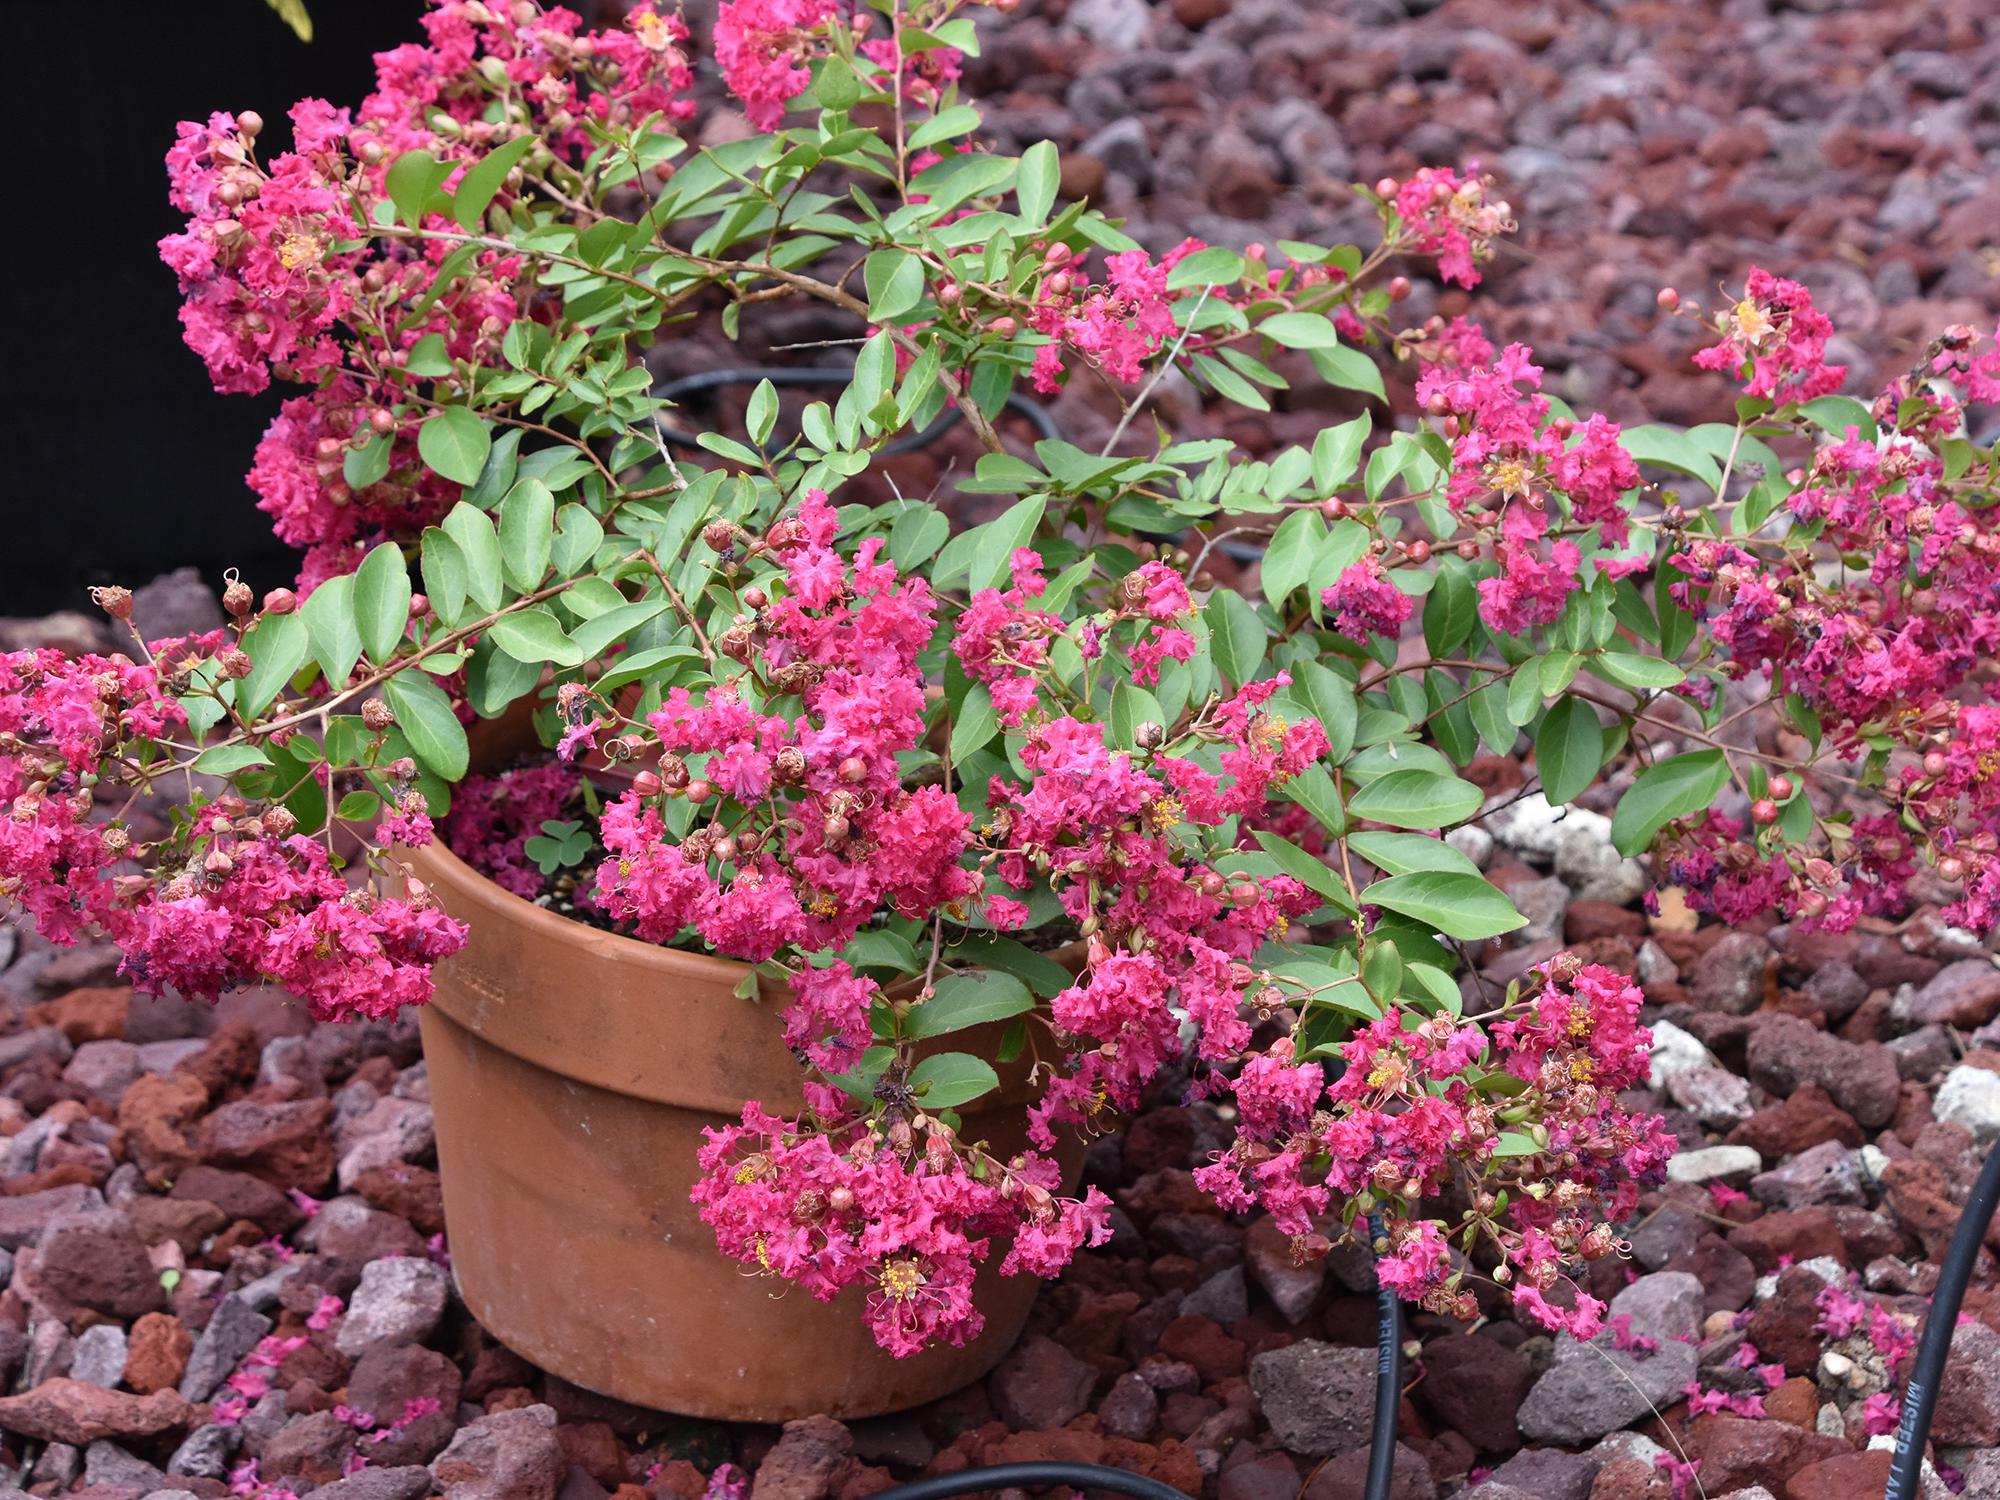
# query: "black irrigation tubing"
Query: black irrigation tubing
709,380
1381,1449
1920,1399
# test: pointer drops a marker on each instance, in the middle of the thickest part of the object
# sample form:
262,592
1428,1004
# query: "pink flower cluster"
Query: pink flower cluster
1450,217
844,638
892,1207
762,47
1402,1120
1525,483
1776,339
278,278
1117,325
235,901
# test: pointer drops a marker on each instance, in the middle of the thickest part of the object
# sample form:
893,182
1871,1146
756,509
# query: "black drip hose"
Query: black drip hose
1920,1399
709,380
1388,1383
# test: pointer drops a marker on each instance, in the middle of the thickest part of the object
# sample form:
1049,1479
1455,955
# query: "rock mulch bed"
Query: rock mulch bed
1833,1095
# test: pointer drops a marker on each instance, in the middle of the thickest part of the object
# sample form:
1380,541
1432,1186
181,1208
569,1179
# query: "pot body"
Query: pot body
572,1072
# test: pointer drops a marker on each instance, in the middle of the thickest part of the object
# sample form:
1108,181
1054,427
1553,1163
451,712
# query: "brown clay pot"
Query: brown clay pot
572,1072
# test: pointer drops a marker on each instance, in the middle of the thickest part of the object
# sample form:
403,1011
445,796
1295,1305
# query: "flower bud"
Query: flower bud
250,123
853,770
280,602
1668,299
699,790
646,784
1781,787
755,597
673,771
1764,812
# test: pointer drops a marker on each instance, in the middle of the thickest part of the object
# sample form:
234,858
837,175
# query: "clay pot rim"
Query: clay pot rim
462,880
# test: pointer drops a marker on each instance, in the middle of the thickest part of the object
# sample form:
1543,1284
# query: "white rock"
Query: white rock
1474,842
1715,1164
1591,867
1528,826
1971,1097
1674,1051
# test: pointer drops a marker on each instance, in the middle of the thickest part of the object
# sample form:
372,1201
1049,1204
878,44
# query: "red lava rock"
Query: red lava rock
1040,1384
1916,1193
153,1116
1785,1052
1265,1476
1589,920
1846,1476
157,1353
1292,1287
1094,1329
1795,1401
96,1261
384,1382
1808,1118
313,1447
407,1191
1346,1477
677,1477
1782,1325
1964,995
228,1060
1728,1279
1736,975
87,1015
69,1411
808,1463
593,1447
507,1455
1736,1452
1630,1479
185,1221
284,1143
1800,1234
1211,1351
238,1195
1474,1385
24,1216
1968,1403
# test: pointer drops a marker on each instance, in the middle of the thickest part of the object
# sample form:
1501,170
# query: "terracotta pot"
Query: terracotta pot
572,1072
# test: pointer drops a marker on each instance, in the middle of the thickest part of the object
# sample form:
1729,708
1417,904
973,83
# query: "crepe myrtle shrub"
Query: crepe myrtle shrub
1039,771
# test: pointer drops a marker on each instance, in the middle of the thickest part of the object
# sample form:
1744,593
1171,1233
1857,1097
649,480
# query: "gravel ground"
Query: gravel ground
1833,1095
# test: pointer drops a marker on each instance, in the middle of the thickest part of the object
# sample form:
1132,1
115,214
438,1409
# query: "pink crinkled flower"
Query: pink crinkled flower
762,47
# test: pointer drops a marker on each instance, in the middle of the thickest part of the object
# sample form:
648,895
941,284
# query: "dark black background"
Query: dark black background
119,460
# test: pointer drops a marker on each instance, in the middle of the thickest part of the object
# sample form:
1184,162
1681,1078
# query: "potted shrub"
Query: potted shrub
826,870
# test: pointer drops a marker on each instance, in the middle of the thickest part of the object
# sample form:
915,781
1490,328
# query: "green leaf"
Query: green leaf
895,282
596,635
1236,635
1488,707
532,635
1416,799
382,600
424,714
1665,448
1297,330
951,1079
1336,453
455,443
527,522
227,760
368,463
969,999
1672,789
1289,558
1408,853
1515,1143
444,574
278,647
472,529
429,358
1035,184
975,722
916,535
1451,610
1349,369
1462,906
1569,750
483,179
330,628
1646,673
1835,414
1307,870
1131,706
578,535
413,180
1215,266
1331,698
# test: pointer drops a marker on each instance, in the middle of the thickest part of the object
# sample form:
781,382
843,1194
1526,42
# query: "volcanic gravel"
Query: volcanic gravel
1833,1095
